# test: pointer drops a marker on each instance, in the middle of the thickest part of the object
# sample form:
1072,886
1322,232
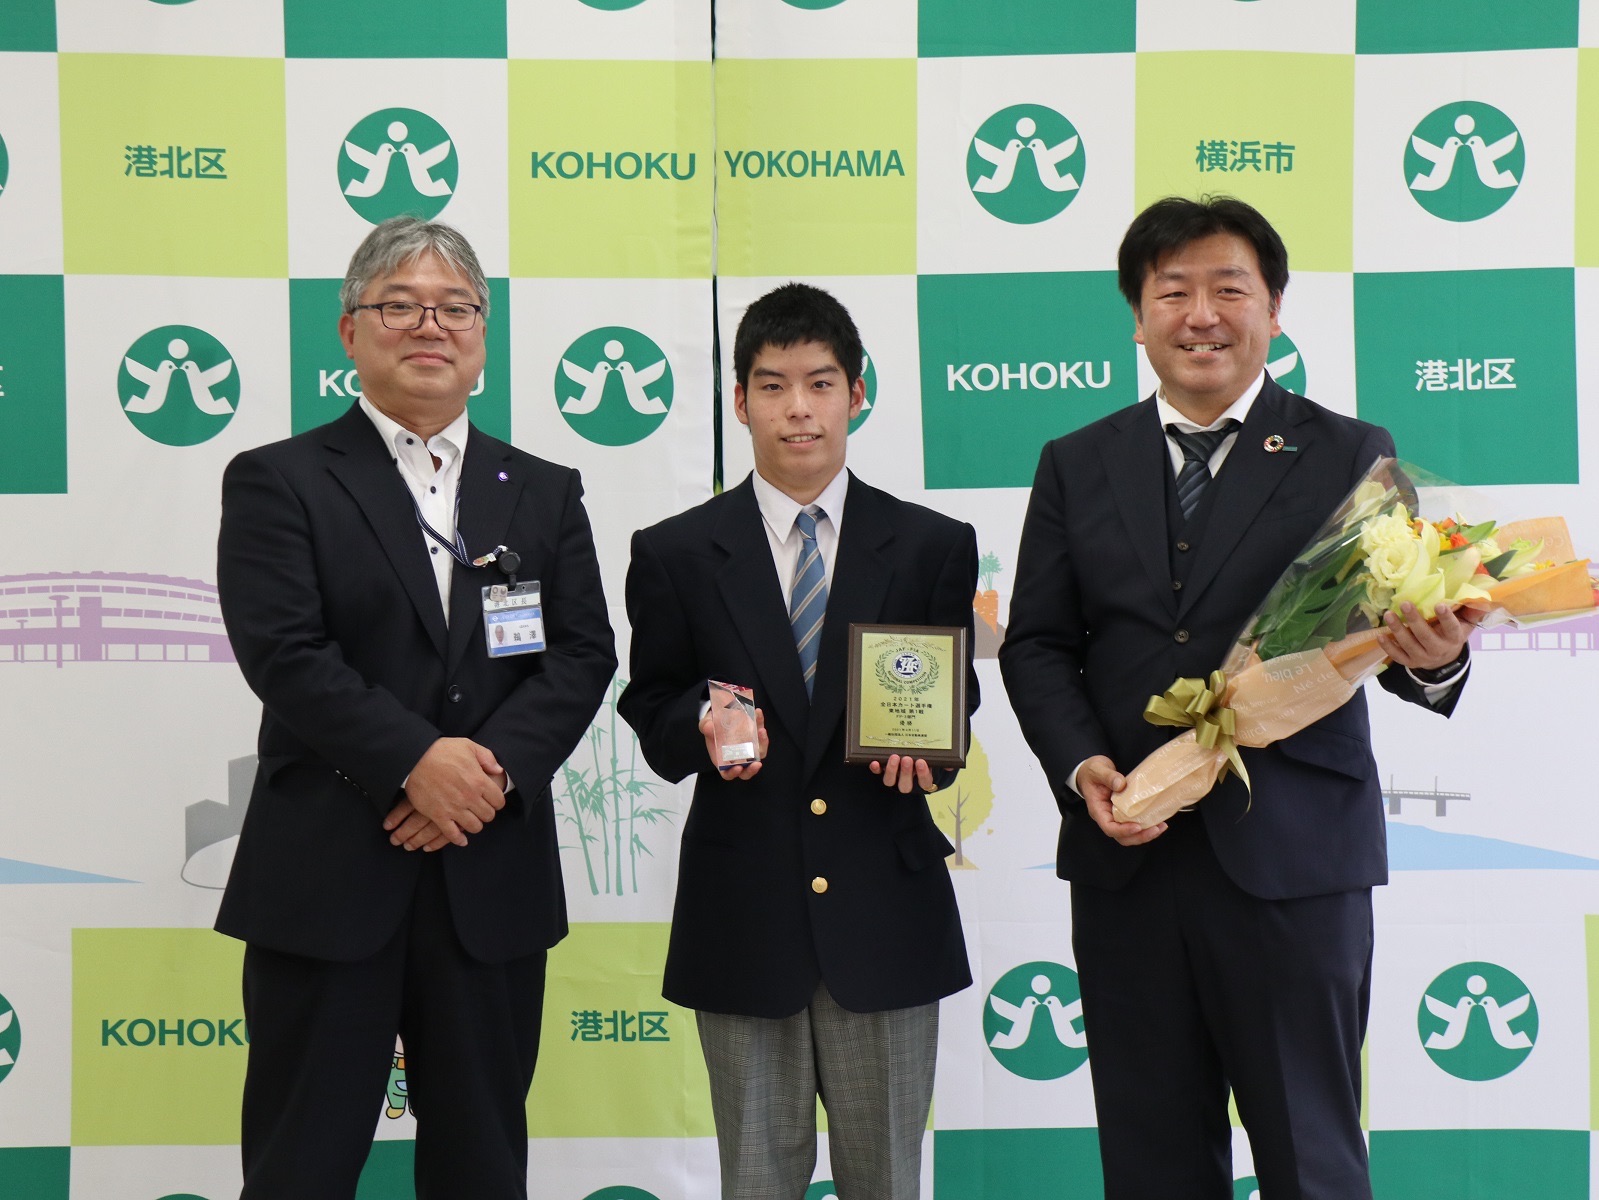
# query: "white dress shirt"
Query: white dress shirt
778,511
1236,411
434,489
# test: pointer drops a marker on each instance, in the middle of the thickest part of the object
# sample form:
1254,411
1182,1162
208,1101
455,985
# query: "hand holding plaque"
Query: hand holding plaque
907,694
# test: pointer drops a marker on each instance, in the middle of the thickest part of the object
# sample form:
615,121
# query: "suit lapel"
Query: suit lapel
483,519
1137,464
861,575
749,587
1249,478
365,468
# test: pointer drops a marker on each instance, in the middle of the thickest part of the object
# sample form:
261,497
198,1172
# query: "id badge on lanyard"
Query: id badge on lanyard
513,618
513,613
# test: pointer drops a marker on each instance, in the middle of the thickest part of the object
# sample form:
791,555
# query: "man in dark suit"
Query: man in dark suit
1230,946
398,868
815,928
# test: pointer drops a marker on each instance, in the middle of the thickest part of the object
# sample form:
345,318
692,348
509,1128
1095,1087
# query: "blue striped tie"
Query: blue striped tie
808,603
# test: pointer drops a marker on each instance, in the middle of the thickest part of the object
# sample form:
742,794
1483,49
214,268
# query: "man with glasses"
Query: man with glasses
398,871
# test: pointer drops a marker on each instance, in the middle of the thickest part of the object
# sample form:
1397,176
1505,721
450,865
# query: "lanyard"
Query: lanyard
457,548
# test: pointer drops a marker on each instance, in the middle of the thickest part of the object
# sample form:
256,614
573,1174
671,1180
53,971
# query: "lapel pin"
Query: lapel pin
504,478
1275,443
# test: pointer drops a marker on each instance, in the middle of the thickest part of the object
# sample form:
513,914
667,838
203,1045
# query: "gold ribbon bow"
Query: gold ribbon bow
1197,704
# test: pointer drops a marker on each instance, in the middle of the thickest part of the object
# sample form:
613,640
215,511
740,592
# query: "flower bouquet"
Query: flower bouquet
1313,642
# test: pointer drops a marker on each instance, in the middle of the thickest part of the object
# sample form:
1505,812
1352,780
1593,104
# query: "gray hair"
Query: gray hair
401,240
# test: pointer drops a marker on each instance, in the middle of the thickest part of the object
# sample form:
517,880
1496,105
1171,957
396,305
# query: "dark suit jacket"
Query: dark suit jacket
334,615
749,933
1096,628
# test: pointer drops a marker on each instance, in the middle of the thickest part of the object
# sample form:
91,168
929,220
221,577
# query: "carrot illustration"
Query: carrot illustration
986,602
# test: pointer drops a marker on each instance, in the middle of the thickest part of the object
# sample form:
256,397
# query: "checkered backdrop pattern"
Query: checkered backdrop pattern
181,182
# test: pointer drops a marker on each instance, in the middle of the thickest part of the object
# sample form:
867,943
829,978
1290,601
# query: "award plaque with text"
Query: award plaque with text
907,693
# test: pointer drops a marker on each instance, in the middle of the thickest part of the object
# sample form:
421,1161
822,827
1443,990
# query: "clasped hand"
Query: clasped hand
456,788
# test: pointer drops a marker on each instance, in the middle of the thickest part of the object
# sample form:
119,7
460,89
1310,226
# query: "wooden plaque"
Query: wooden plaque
907,694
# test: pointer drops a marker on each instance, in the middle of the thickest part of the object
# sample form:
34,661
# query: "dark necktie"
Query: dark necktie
808,602
1197,451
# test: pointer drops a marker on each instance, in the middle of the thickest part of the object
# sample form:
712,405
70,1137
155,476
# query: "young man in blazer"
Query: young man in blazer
815,928
398,868
1230,947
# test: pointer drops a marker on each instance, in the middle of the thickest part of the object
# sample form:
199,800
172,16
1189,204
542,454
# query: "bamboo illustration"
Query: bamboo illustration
604,802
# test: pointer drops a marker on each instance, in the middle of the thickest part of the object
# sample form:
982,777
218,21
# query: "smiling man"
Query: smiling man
398,870
815,928
1231,947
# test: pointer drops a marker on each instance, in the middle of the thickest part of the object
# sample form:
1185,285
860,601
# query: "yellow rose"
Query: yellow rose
1376,600
1391,548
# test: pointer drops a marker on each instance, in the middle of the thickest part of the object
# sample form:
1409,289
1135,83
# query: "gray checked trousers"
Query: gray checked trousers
873,1072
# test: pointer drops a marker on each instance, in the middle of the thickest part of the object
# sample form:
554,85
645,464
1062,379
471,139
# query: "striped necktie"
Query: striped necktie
1197,448
808,603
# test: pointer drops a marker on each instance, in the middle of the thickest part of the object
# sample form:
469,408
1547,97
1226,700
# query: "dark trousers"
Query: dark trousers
1190,985
322,1042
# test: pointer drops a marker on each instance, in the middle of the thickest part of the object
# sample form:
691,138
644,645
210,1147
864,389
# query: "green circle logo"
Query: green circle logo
10,1038
612,5
178,385
621,1192
614,386
1025,164
1247,1188
395,162
5,165
822,1189
869,378
1477,1021
1286,365
1464,161
813,5
178,1195
1033,1021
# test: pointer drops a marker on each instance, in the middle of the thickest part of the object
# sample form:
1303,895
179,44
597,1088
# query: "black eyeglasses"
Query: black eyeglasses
455,316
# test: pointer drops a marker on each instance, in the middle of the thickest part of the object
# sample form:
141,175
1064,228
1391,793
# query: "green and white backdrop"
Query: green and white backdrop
181,182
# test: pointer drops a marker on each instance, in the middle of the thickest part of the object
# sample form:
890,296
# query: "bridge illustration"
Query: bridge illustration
56,618
1572,637
1440,801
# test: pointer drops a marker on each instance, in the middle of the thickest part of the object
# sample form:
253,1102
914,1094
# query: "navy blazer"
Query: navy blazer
1097,627
333,612
750,934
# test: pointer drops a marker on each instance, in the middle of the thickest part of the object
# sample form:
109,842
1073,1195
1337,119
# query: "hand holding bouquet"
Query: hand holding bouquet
1314,641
